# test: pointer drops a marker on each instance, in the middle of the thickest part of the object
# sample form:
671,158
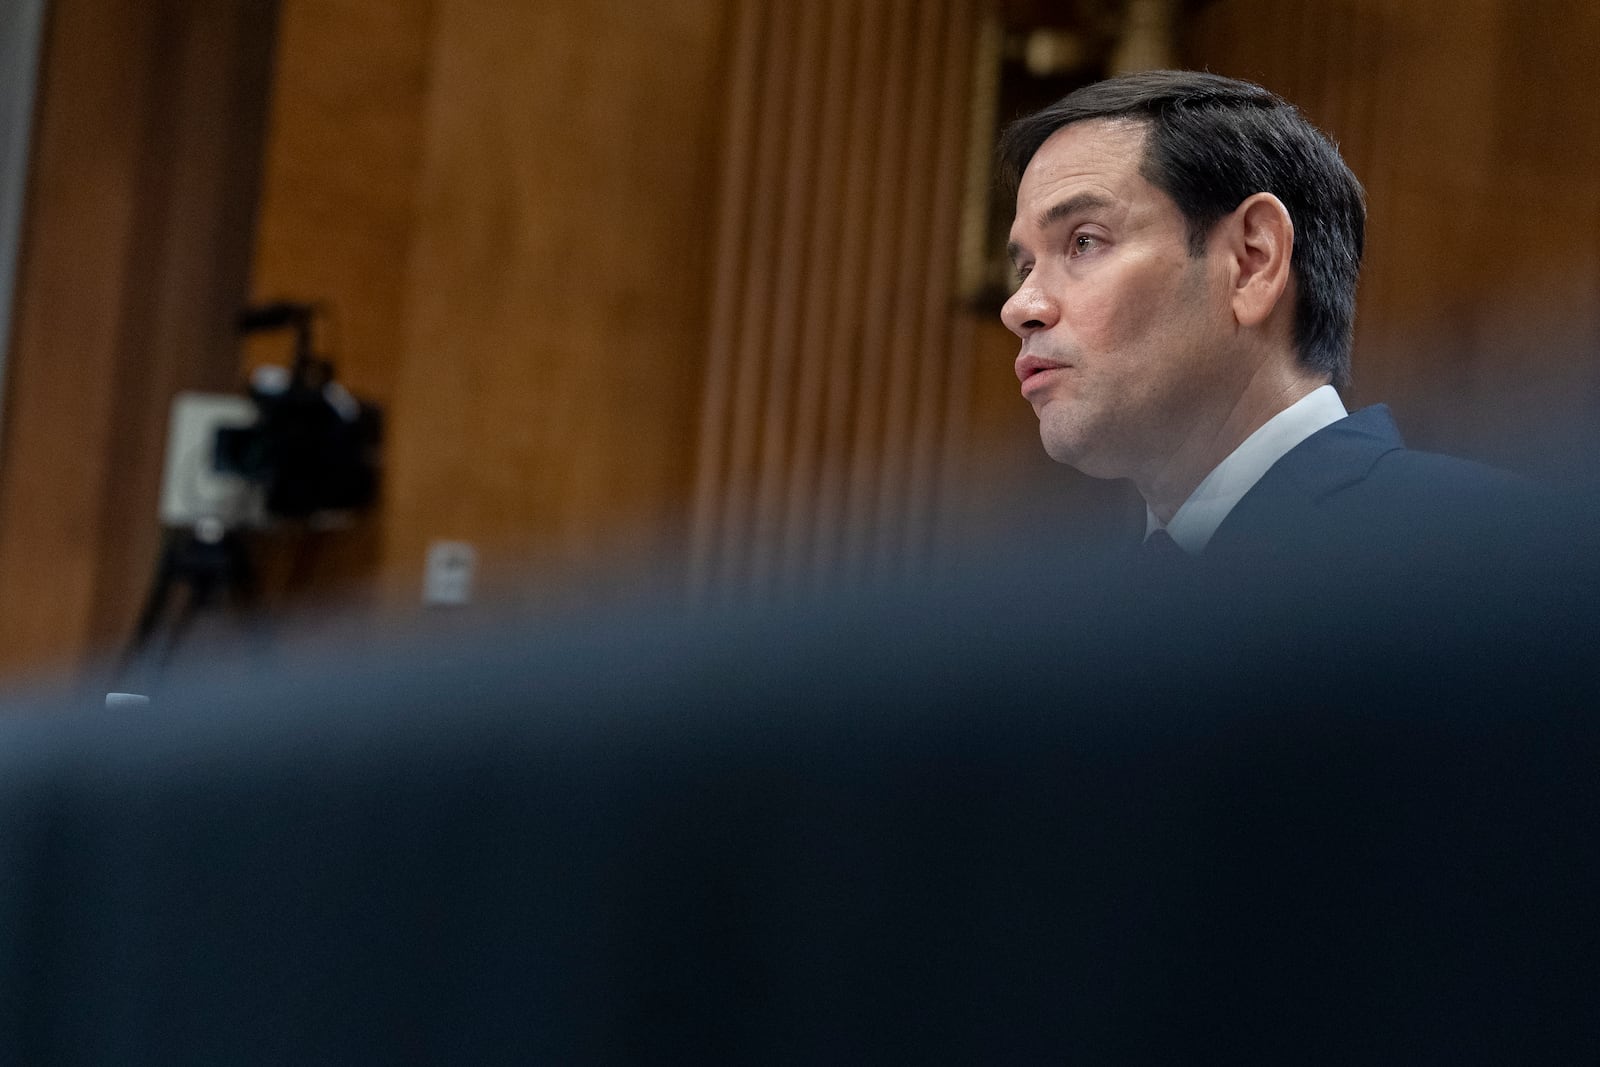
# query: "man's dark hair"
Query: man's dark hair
1211,143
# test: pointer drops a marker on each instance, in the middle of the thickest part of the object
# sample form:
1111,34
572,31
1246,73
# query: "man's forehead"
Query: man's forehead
1107,150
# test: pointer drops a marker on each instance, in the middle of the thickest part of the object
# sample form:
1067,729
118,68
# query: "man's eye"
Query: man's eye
1083,242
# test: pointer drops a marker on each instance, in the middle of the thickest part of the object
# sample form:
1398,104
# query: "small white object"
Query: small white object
210,530
127,700
447,580
343,403
192,489
270,379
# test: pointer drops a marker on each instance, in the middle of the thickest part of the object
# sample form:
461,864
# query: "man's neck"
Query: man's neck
1210,441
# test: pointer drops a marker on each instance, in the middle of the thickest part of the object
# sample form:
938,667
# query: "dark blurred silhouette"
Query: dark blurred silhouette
1052,811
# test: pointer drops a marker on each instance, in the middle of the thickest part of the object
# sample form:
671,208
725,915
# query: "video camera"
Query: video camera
298,445
314,446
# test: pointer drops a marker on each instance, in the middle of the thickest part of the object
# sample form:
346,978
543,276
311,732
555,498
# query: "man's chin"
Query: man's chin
1072,450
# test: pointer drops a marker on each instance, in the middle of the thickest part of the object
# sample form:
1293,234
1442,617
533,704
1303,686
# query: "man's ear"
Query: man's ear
1259,241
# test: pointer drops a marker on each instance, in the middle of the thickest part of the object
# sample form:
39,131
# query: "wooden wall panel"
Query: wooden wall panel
136,243
506,206
1475,127
835,334
613,274
340,179
545,403
337,220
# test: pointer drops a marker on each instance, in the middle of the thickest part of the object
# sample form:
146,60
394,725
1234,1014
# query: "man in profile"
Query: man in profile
1187,248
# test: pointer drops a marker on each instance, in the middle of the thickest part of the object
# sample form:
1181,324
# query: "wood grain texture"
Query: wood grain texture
136,242
546,401
339,185
617,271
839,355
727,289
337,220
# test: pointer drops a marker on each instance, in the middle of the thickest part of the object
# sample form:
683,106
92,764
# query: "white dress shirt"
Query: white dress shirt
1194,523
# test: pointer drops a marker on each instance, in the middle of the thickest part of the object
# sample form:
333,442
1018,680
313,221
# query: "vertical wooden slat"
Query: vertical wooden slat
954,459
852,273
735,197
782,322
885,265
957,404
759,255
838,399
826,254
905,349
939,310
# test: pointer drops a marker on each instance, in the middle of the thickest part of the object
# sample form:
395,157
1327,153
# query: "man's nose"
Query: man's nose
1028,310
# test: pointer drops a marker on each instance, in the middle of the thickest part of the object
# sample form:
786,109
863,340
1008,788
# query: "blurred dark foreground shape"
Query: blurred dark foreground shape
1049,813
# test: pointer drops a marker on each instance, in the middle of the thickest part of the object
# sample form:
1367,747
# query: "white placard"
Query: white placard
447,578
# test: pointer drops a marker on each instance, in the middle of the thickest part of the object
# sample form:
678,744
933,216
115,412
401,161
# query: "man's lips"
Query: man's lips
1032,369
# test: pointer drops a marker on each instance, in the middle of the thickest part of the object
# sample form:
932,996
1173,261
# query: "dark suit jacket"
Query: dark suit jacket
1353,495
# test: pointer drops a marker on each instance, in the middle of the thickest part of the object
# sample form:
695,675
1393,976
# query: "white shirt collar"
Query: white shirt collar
1194,523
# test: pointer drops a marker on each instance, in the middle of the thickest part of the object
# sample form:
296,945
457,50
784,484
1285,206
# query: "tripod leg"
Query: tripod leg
150,614
202,591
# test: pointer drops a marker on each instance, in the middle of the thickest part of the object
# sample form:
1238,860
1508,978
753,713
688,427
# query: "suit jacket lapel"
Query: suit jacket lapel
1332,459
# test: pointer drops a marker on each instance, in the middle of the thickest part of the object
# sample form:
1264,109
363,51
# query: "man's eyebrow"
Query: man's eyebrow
1072,205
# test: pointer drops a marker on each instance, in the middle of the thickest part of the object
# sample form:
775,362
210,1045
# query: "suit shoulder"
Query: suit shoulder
1434,476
